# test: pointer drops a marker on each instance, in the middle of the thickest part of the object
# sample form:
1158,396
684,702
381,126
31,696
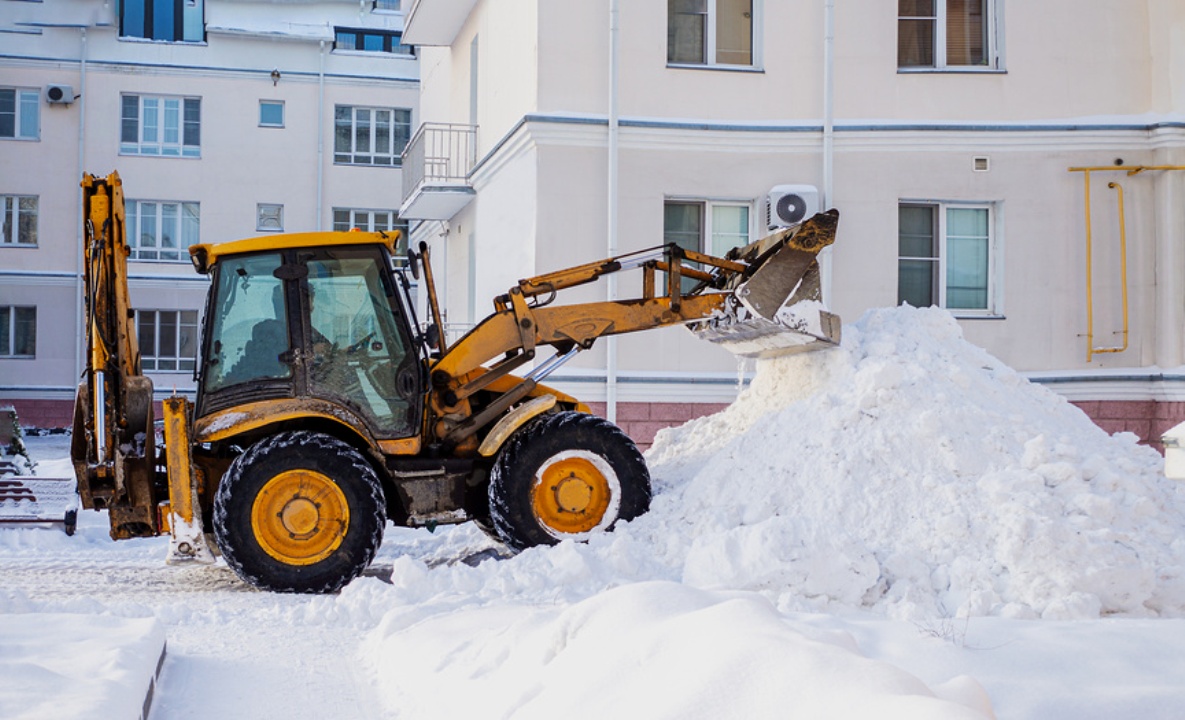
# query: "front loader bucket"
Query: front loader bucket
776,306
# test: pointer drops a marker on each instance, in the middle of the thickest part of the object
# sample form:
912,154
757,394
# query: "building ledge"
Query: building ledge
436,202
436,22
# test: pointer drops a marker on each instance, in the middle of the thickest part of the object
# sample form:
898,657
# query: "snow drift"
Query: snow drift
911,472
907,472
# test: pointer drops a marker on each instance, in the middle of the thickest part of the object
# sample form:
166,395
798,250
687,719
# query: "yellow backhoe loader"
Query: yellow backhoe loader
324,409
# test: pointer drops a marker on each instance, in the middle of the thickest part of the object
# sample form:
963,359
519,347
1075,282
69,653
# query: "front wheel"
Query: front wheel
299,512
566,476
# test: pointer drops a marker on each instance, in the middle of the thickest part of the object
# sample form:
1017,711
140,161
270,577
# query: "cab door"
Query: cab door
357,344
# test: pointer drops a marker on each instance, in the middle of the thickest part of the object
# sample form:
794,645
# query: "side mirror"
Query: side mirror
432,337
413,263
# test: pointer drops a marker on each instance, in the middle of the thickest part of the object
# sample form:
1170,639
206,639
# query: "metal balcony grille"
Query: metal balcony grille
440,154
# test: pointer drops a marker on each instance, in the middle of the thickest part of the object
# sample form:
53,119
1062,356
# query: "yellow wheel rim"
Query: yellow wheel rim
300,517
575,492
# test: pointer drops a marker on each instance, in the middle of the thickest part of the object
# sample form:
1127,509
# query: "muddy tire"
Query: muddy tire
566,476
299,512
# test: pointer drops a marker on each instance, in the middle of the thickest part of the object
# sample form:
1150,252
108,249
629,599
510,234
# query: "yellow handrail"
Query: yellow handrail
1091,350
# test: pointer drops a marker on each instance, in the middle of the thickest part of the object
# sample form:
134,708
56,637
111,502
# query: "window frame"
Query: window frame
756,13
394,223
134,223
278,103
394,157
708,207
391,40
185,128
152,358
23,98
11,217
993,17
189,21
8,343
994,305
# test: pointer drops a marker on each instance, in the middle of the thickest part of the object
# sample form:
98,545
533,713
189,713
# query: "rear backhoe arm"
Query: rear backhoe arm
112,448
782,266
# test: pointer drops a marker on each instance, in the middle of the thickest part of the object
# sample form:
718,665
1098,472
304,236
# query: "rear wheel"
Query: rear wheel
566,476
299,512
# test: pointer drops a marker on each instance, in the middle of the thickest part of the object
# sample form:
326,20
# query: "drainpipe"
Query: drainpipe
79,331
828,134
611,342
321,136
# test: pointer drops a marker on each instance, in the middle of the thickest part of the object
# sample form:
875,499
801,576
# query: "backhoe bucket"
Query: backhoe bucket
776,307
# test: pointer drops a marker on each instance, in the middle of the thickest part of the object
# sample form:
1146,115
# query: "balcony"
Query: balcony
436,166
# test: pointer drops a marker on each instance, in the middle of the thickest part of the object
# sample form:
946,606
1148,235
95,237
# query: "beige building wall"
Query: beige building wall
1078,84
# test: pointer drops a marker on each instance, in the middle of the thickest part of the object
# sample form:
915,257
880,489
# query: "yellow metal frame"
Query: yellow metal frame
183,477
1091,350
243,418
214,251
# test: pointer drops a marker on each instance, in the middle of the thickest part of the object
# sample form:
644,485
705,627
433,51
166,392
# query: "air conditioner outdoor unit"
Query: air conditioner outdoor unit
788,205
59,94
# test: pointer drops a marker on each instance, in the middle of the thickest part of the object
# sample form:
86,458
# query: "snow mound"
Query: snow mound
61,665
654,650
911,472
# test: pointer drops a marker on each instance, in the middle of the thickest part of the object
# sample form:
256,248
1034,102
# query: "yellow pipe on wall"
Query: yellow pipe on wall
1091,350
1089,274
1122,273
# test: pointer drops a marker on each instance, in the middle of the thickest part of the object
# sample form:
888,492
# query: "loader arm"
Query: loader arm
738,301
113,447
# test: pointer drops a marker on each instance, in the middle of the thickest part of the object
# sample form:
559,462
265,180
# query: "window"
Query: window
269,217
370,136
18,331
727,224
165,126
169,20
271,113
947,34
168,339
247,335
370,41
20,112
162,230
710,32
708,227
946,252
19,219
388,5
372,221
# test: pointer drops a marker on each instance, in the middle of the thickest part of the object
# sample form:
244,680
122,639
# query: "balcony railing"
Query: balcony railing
438,159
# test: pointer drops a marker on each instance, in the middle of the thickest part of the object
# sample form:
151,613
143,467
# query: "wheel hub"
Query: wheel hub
572,494
300,517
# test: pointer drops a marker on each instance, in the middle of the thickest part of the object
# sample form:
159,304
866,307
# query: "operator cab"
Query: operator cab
313,315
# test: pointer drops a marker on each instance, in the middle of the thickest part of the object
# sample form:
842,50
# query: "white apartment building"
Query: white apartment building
225,119
975,148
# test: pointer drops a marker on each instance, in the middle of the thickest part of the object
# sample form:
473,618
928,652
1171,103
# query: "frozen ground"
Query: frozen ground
901,528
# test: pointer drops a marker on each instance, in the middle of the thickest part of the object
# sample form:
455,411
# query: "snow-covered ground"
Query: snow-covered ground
900,528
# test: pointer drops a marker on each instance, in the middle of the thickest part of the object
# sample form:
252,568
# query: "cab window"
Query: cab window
249,331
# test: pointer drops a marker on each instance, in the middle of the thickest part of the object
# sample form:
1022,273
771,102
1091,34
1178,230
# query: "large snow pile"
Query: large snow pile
912,472
647,650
